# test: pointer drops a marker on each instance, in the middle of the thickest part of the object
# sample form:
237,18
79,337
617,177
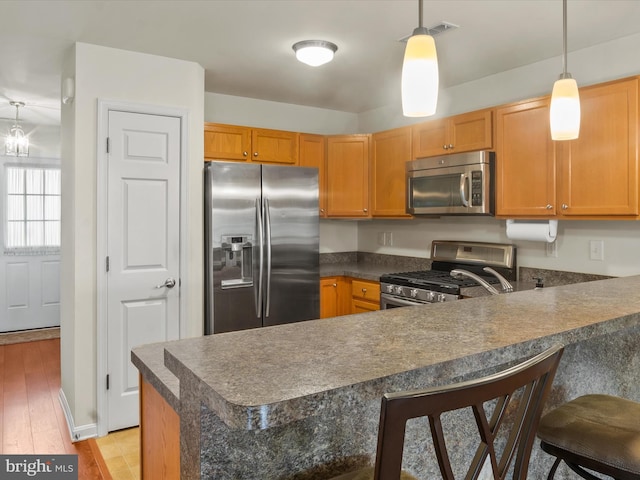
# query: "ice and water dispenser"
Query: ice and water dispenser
236,262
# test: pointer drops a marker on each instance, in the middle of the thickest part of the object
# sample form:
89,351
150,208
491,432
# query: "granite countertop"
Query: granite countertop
271,376
365,271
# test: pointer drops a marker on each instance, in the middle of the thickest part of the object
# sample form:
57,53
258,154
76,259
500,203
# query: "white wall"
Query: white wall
117,75
280,116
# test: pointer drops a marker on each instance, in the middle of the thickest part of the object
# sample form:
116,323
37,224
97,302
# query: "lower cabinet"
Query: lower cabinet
159,436
345,295
365,296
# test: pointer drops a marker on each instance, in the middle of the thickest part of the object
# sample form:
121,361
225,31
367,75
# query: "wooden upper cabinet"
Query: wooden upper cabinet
312,154
525,161
594,176
390,150
226,142
348,176
461,133
598,172
274,146
231,142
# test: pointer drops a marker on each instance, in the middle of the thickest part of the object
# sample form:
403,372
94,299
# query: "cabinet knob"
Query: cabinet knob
245,153
364,290
364,210
565,206
255,154
450,145
445,147
334,285
322,210
549,206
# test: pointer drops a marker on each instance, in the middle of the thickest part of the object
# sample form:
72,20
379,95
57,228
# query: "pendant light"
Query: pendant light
420,73
565,99
17,143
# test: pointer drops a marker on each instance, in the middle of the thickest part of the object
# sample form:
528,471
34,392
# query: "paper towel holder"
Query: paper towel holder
551,233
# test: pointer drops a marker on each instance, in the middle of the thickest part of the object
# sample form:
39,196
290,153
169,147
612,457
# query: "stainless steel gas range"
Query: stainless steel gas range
455,266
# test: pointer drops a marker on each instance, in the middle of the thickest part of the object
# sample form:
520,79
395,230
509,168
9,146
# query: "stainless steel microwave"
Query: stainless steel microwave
458,184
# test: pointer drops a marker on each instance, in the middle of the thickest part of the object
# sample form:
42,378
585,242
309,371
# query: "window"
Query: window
32,211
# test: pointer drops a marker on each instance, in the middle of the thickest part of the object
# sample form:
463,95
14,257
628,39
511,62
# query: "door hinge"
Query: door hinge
107,144
107,263
107,381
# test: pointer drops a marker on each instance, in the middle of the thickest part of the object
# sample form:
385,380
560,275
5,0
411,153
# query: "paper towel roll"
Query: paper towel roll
535,231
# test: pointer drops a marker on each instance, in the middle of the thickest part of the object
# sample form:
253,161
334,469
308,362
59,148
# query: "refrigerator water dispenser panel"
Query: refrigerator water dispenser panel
237,264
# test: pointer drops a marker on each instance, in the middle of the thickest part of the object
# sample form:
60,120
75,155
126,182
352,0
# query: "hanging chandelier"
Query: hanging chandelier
420,73
565,99
16,143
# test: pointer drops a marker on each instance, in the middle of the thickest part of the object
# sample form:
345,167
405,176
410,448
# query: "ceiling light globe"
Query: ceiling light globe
315,52
420,77
564,114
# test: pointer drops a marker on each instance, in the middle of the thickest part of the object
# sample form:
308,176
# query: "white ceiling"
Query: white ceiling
245,45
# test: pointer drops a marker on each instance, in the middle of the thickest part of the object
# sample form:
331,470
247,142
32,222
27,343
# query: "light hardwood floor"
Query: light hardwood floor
31,417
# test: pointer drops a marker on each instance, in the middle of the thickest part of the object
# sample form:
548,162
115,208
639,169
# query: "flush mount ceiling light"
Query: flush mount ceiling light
16,143
565,100
314,52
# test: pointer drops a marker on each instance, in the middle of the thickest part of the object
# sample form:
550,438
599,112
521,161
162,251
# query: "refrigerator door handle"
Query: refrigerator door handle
260,228
267,221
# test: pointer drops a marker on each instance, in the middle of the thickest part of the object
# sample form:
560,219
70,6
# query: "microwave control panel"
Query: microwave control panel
476,188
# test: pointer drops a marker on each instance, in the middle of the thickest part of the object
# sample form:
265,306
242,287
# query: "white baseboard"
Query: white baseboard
77,433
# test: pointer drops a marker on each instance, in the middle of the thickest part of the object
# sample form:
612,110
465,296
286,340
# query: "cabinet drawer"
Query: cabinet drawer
365,290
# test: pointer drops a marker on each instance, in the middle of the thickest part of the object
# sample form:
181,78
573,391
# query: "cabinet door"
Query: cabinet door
274,146
430,138
471,131
226,142
525,161
362,306
329,297
390,151
312,154
348,176
599,170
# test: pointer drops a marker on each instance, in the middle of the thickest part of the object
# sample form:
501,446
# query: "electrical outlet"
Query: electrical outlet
596,250
389,238
552,249
382,238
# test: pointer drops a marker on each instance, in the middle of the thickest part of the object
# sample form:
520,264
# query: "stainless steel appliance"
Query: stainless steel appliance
437,285
261,245
459,184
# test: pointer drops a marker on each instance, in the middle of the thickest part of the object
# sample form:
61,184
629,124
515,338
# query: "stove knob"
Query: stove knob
413,293
399,290
440,297
430,296
389,288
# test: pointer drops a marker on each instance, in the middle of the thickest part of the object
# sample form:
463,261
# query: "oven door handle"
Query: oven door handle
400,301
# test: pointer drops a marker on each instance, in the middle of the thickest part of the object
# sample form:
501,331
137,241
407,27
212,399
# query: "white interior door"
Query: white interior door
143,284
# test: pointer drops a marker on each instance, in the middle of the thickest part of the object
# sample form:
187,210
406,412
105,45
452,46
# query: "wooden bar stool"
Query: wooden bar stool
529,382
597,432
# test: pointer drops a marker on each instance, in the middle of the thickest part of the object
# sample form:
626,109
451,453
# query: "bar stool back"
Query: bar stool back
529,381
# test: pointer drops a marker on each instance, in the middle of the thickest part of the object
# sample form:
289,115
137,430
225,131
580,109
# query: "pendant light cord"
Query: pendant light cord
420,13
564,36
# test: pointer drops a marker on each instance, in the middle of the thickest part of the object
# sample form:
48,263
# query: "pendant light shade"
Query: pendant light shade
420,77
564,114
16,143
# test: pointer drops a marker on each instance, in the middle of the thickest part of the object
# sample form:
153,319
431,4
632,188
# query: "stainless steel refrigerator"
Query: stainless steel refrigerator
261,245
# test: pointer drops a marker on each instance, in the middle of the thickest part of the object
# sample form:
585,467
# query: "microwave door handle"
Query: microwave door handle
464,188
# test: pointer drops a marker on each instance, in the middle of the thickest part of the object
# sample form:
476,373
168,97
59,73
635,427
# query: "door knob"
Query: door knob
169,283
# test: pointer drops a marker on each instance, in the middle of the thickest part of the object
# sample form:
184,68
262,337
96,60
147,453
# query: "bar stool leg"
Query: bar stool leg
552,472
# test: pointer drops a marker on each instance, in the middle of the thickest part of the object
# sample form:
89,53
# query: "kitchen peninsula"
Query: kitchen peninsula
302,400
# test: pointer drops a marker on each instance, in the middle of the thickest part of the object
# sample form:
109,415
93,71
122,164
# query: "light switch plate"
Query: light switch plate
596,250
